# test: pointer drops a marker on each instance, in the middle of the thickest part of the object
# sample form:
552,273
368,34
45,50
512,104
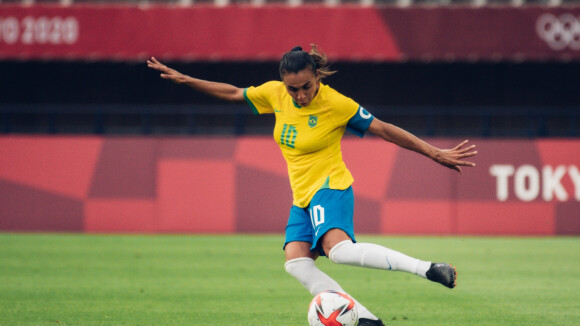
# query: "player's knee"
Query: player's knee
339,252
294,266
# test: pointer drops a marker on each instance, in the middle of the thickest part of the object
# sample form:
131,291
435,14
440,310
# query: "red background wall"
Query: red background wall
201,33
227,185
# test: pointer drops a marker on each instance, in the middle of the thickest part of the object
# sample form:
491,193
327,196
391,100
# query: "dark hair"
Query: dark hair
297,60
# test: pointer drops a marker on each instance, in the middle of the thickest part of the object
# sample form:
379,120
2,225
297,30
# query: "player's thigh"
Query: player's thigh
299,234
332,238
299,249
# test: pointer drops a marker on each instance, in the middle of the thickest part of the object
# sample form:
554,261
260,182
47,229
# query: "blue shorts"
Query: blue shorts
328,209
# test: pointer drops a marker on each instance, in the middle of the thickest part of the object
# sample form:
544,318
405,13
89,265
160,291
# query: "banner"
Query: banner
231,185
206,33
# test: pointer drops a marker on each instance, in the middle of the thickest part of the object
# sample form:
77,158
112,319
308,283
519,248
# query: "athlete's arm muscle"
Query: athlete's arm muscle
220,90
451,158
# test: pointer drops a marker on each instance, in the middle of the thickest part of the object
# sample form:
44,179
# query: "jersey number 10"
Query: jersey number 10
288,136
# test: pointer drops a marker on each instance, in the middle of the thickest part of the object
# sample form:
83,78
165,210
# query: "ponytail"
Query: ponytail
321,60
297,60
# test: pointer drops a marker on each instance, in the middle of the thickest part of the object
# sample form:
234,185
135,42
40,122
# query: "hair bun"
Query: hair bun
296,48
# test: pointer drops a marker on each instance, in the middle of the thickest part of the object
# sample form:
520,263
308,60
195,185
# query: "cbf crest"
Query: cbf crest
312,121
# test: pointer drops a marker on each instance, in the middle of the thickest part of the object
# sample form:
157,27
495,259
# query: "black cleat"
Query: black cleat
442,273
370,322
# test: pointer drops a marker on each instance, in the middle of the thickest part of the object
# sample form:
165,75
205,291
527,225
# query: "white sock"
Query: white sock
374,256
314,280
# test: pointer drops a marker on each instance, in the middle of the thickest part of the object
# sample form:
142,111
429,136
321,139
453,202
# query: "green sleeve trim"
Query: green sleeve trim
326,183
252,106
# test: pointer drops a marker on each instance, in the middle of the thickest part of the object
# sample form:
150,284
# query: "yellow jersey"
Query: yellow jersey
309,137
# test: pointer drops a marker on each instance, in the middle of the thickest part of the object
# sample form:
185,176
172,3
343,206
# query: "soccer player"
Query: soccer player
311,119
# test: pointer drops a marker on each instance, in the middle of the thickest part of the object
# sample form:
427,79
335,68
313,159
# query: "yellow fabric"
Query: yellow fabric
309,137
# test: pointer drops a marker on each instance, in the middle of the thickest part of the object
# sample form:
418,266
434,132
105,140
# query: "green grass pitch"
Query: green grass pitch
75,279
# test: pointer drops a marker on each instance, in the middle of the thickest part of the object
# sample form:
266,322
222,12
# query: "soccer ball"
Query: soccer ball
331,308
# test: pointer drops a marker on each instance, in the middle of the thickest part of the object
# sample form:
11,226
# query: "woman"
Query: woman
310,121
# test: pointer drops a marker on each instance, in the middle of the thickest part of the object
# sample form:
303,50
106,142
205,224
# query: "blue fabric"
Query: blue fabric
360,122
328,209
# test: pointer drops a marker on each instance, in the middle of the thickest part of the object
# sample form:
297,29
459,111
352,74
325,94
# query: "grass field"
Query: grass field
53,279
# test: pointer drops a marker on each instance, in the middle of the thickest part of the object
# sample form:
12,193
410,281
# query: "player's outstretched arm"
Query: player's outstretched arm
452,158
220,90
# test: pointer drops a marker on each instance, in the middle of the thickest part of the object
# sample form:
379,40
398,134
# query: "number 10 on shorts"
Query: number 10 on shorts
317,215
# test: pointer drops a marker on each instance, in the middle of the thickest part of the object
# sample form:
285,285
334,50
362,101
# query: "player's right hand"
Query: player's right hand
166,72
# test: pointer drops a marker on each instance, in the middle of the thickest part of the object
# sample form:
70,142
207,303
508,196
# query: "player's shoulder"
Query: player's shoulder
268,89
273,84
334,97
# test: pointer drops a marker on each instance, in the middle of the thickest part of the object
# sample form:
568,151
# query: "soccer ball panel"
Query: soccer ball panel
332,308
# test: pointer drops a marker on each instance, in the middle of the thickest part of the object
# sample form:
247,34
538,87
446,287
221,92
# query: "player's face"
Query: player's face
302,86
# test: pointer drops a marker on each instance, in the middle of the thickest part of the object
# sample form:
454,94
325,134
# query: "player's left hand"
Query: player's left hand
453,158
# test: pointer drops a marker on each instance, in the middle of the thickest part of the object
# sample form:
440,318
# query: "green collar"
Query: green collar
296,104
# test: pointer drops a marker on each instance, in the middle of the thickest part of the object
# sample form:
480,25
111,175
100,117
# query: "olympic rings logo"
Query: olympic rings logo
559,32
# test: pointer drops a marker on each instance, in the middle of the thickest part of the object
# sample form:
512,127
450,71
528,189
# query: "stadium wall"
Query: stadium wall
202,33
230,185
